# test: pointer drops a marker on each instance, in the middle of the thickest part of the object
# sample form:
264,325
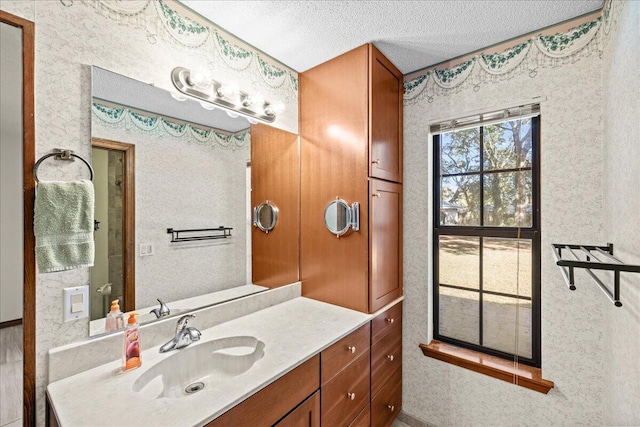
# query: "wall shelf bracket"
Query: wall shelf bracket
592,258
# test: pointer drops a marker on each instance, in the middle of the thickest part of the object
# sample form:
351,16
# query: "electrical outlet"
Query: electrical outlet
76,303
146,249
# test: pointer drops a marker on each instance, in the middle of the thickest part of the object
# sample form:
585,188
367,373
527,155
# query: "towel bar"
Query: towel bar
60,154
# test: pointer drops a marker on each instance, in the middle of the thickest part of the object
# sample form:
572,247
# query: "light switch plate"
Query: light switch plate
146,249
76,303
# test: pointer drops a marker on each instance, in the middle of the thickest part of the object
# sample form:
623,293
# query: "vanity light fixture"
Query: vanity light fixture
227,96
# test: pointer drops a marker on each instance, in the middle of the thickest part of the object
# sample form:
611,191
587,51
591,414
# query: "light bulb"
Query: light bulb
228,90
207,106
256,99
200,77
273,109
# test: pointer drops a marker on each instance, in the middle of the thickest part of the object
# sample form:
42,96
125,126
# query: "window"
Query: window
487,235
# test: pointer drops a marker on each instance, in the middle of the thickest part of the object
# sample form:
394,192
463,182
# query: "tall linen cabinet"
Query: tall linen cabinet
351,149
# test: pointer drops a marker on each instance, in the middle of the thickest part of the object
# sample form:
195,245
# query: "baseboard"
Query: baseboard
412,421
10,323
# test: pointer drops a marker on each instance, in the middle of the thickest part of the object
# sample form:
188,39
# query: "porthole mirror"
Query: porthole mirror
265,216
339,217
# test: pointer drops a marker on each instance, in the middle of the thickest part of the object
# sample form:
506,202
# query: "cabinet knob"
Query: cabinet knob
351,396
389,319
375,195
352,349
391,408
390,357
375,162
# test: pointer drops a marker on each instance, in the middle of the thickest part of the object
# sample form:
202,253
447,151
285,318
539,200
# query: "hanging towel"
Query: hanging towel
63,225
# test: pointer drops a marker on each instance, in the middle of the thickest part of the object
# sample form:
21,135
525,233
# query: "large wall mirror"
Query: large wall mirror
166,162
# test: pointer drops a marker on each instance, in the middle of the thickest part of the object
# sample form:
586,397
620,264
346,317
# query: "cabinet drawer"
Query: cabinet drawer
274,401
307,414
346,394
382,324
364,419
386,405
339,355
386,358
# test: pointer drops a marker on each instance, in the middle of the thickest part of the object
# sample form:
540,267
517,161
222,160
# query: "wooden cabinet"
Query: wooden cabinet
307,414
363,419
386,405
351,148
341,354
346,394
273,402
275,173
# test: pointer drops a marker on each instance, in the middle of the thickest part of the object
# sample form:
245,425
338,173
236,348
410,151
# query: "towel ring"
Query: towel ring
60,155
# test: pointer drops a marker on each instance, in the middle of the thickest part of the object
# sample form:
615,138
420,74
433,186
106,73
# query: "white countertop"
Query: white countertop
292,331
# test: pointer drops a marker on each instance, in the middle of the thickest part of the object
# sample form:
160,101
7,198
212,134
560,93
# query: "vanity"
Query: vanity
297,363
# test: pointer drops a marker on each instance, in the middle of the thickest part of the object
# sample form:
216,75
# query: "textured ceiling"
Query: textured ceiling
412,34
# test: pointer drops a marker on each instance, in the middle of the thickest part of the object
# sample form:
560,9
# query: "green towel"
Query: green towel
63,225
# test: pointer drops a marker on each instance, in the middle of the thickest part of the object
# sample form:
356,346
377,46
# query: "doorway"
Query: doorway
17,140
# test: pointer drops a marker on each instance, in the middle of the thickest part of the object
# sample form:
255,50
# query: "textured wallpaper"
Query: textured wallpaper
145,44
574,347
622,216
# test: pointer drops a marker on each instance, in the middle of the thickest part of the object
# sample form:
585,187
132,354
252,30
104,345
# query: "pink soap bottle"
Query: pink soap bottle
131,351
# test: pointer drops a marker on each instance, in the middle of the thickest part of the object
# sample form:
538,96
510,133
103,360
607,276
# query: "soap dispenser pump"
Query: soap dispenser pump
115,318
131,351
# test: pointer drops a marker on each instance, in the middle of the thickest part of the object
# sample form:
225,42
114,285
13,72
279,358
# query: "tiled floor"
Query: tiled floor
11,376
398,423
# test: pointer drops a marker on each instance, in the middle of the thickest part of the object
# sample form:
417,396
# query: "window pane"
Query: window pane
459,261
460,151
460,200
507,145
506,266
459,314
508,199
501,318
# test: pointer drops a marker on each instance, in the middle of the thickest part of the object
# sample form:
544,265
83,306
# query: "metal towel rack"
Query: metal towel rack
60,154
211,233
603,259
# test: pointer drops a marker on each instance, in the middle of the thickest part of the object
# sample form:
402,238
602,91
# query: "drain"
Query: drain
195,387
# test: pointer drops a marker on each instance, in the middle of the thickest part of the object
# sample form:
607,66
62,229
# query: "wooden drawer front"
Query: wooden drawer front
364,419
346,394
386,358
382,324
307,414
273,402
339,355
386,405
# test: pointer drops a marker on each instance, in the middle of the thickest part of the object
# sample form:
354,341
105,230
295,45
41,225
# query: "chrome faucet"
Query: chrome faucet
185,335
163,311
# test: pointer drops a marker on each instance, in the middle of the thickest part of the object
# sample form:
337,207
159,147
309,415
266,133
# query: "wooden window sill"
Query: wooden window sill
518,374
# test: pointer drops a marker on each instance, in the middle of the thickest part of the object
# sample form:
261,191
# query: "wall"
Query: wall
621,77
572,176
135,39
11,213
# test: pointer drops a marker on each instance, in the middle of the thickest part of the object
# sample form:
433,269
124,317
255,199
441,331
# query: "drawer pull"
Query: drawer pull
391,408
351,396
389,319
351,348
390,357
375,162
375,195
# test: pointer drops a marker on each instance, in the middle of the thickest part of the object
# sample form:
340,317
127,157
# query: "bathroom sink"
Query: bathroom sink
200,366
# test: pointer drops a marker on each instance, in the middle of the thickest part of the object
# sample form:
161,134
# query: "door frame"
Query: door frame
29,257
128,217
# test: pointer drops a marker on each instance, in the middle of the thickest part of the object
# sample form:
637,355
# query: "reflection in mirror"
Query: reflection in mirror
190,173
265,216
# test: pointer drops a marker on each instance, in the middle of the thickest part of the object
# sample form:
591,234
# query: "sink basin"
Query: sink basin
201,365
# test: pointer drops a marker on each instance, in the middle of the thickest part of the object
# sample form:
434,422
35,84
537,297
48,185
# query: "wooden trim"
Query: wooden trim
10,323
29,185
128,218
505,370
560,27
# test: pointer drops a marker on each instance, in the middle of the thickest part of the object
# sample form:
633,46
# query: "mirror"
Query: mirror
190,168
265,216
340,218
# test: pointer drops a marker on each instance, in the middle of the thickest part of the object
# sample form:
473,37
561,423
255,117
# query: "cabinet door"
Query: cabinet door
385,210
385,118
275,173
305,415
